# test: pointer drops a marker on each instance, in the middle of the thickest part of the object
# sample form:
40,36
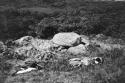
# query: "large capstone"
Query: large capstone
67,39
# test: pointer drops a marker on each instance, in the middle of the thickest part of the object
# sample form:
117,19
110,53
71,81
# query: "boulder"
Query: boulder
35,48
80,49
67,39
41,45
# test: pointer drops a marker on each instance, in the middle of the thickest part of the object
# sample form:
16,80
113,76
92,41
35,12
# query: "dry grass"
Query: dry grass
110,71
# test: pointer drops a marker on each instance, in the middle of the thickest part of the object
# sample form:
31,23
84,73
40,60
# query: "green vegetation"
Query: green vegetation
86,18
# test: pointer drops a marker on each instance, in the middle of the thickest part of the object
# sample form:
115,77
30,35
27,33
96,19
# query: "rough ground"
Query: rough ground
53,64
97,58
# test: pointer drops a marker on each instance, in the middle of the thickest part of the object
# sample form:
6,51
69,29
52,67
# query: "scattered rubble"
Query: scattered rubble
25,70
85,61
97,60
75,61
48,50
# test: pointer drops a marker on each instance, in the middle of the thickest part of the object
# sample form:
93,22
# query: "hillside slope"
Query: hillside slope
52,61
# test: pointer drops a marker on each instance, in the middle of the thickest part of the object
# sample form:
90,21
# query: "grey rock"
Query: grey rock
67,39
80,49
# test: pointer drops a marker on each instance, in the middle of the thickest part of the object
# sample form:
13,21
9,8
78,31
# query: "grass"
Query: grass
40,10
59,71
102,17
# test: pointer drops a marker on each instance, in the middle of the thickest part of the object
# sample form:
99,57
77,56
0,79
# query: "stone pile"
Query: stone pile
64,42
70,42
